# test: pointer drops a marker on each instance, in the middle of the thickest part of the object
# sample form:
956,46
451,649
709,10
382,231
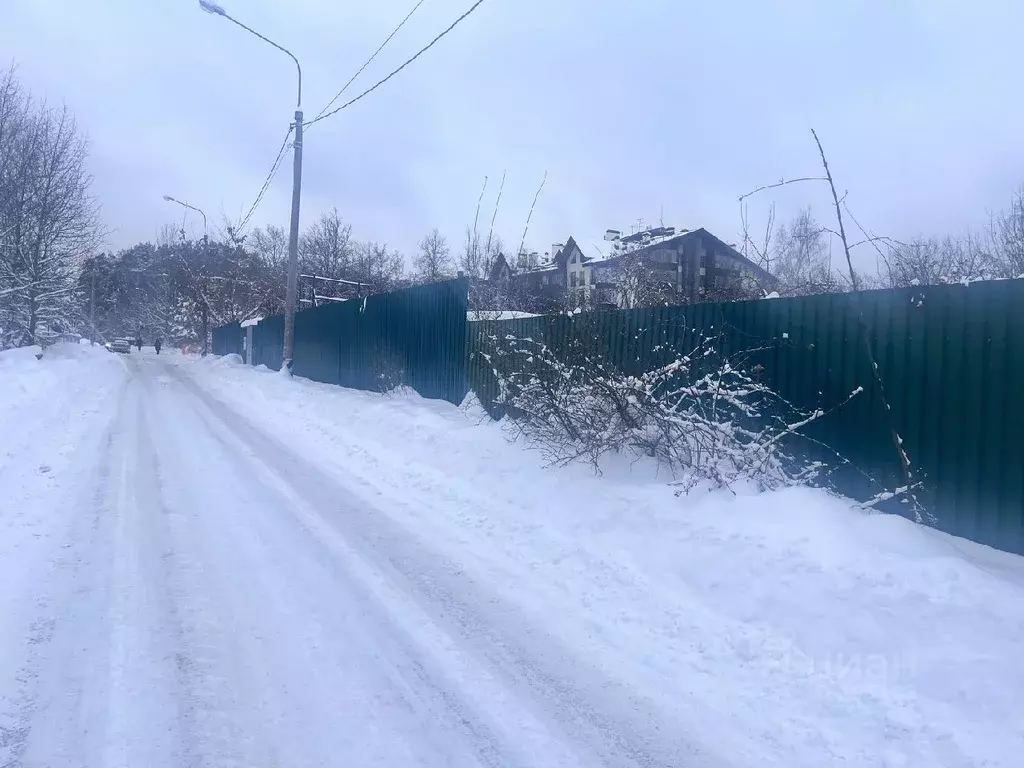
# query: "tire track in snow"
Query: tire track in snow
588,708
105,693
212,680
446,730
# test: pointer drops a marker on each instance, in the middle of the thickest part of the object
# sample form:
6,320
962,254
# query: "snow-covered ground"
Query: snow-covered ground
222,566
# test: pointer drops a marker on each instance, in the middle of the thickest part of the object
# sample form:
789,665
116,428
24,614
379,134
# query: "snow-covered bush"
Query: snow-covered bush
387,371
700,415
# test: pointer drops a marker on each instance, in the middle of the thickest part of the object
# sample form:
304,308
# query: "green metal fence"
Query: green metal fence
268,342
415,336
227,339
950,359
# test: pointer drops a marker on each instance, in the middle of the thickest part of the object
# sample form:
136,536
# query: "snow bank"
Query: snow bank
784,628
223,361
54,413
10,358
75,351
31,377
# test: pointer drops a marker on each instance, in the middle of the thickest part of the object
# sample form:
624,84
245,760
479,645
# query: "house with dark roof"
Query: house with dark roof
688,266
540,287
681,267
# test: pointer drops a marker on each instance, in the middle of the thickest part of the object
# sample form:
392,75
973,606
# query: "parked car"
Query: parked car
124,346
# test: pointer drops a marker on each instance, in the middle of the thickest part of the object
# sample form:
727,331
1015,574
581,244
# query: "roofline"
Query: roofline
700,231
761,270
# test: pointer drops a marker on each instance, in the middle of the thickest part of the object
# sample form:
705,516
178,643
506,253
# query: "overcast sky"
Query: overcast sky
636,109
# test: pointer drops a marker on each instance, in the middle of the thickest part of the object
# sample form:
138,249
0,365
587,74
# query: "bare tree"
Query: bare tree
758,249
796,256
48,220
800,260
270,244
377,267
433,262
478,254
1007,238
491,249
856,283
326,249
169,235
640,284
930,261
471,259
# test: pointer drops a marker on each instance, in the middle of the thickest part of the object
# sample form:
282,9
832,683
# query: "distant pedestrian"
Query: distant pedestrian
138,342
157,343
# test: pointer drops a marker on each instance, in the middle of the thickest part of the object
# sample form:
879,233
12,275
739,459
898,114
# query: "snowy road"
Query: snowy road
203,564
214,599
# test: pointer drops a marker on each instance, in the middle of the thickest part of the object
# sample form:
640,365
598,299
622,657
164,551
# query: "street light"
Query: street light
206,230
293,234
206,241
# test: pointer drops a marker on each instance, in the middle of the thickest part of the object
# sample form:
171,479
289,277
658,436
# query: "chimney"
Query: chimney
555,248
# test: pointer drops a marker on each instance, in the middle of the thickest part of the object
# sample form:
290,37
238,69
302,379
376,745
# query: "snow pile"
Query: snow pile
33,378
226,361
54,416
782,628
20,356
33,388
76,351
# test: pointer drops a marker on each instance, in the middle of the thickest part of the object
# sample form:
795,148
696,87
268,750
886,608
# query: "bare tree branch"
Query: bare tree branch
522,242
781,183
897,441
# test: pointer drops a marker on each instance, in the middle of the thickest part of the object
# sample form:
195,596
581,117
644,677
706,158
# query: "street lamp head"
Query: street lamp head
211,7
168,198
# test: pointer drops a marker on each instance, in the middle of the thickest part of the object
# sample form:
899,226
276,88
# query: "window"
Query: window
572,279
703,259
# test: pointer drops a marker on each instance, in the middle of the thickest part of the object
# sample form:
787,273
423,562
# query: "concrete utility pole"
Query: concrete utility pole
293,248
293,234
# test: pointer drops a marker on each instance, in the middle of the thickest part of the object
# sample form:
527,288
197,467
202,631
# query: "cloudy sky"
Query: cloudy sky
643,109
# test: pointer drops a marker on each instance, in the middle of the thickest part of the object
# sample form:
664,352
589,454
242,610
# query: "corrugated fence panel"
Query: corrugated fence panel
415,336
1010,498
268,342
227,339
950,361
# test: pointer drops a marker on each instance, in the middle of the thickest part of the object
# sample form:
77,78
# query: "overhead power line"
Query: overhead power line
266,183
368,61
409,61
